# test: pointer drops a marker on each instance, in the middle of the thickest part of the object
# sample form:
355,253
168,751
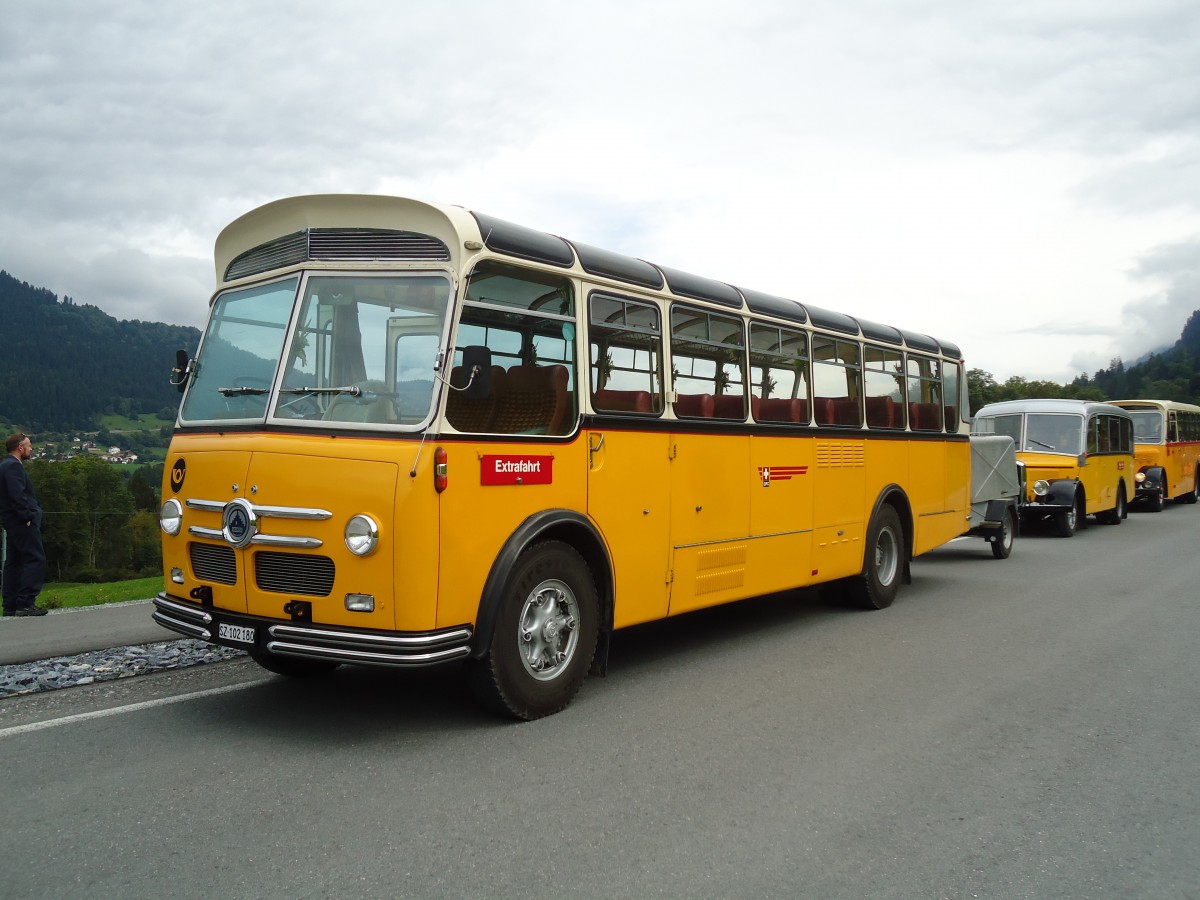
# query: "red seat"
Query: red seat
729,406
622,401
925,416
472,414
881,412
535,400
695,405
779,409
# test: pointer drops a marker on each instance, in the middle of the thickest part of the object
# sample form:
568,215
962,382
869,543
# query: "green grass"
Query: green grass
69,596
142,423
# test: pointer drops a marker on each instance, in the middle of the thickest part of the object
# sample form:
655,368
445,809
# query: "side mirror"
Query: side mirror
183,368
477,370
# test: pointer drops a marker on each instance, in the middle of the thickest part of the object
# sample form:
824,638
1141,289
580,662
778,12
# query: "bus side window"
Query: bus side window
1172,430
526,319
708,364
779,376
625,345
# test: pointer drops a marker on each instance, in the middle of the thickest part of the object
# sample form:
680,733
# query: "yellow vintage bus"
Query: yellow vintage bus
415,433
1078,458
1166,449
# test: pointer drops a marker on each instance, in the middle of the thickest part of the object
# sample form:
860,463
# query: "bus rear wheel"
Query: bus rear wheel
1117,513
883,564
1194,494
545,635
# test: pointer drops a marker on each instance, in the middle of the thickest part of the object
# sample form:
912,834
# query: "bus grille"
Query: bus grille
211,562
289,573
336,244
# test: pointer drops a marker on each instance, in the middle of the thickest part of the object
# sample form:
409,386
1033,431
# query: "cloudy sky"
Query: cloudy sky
1020,177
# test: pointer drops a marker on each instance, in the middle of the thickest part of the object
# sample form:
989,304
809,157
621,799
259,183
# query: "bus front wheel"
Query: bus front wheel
545,635
1117,513
884,561
1067,521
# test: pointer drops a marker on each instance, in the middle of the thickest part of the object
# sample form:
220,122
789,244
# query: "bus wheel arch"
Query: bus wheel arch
557,557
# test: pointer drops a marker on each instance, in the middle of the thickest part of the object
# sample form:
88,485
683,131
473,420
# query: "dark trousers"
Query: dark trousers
24,564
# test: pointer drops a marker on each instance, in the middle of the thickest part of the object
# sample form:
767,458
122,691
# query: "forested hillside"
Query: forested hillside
64,364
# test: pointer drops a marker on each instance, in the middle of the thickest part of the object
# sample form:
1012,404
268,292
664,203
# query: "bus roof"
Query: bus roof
1157,404
360,228
1064,407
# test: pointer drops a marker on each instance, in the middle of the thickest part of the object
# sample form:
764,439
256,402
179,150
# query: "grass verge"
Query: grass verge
68,596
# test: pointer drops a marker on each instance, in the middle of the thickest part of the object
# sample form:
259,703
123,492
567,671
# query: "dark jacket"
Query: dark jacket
18,502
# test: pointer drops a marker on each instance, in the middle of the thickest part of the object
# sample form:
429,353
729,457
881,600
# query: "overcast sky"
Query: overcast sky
1020,177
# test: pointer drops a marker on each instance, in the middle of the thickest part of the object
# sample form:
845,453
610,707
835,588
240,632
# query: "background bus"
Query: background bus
1166,438
1078,458
416,433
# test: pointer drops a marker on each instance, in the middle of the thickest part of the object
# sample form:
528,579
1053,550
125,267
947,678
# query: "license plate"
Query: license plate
239,633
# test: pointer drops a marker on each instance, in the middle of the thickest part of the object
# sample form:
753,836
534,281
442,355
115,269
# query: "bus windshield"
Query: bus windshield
1054,433
362,350
1147,427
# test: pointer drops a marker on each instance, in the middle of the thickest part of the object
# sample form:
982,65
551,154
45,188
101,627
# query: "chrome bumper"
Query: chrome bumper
345,645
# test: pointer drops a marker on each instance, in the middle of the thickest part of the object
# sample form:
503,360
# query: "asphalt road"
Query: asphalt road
1008,729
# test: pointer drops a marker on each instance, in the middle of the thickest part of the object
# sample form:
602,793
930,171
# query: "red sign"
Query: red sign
780,473
516,470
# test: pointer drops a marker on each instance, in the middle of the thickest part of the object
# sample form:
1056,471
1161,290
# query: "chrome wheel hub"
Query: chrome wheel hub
547,632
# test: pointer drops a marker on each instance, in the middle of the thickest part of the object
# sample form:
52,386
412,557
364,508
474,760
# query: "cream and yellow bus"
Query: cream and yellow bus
1078,458
415,433
1166,449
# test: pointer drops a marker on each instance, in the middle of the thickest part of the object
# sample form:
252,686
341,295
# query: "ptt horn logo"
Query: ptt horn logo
178,473
780,473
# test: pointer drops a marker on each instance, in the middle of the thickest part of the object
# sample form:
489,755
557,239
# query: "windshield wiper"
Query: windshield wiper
353,390
229,392
1040,444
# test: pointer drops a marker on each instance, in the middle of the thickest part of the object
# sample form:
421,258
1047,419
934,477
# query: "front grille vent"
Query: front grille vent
291,573
367,244
212,562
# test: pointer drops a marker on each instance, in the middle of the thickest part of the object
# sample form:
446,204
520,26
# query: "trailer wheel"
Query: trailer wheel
1002,544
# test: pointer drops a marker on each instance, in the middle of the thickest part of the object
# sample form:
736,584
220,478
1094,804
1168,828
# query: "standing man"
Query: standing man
21,517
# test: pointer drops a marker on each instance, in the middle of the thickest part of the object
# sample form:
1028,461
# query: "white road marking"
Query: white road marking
132,707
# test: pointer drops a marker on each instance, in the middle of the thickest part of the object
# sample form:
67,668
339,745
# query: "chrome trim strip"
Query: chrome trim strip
194,613
365,657
749,537
415,641
275,512
293,512
283,540
187,628
214,533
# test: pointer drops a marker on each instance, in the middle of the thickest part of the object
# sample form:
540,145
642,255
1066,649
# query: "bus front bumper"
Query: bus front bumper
311,641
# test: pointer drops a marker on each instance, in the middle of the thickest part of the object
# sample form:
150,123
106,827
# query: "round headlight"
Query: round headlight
1041,488
170,517
1139,477
362,535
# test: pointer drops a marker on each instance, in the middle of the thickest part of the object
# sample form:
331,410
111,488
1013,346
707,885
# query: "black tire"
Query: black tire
545,635
293,666
1066,523
1117,513
1002,545
1154,503
883,562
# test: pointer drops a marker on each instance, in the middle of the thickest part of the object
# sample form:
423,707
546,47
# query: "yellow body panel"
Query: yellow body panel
1178,460
1099,474
629,494
343,476
480,518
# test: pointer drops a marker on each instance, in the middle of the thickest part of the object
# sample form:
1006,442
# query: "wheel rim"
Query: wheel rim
1070,518
887,556
1006,533
548,629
